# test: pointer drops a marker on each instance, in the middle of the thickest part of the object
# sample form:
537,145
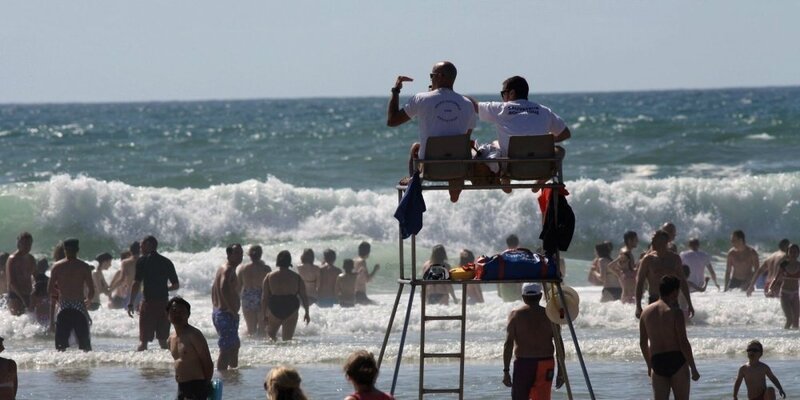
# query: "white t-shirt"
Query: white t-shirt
441,112
697,261
519,118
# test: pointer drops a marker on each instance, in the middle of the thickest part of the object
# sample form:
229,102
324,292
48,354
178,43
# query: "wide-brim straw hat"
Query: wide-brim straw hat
555,311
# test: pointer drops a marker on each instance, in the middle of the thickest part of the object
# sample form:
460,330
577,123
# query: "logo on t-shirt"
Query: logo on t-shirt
514,110
447,110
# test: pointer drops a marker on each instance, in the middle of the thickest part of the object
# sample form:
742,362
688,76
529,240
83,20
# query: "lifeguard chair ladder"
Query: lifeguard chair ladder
458,164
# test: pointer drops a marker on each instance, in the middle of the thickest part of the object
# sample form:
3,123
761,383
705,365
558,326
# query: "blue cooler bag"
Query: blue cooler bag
516,264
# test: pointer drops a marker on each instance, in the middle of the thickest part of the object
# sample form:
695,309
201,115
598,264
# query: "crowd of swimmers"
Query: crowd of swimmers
270,300
777,274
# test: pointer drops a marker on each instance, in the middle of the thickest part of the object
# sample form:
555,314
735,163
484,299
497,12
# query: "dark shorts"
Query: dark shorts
194,390
153,321
118,302
735,284
69,320
614,293
533,378
361,298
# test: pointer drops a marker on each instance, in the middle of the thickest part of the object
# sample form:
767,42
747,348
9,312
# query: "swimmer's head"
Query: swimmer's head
631,239
669,285
42,266
669,227
783,245
347,265
361,368
71,247
103,258
755,347
329,256
363,249
694,244
284,259
135,249
176,303
466,257
255,252
438,254
307,257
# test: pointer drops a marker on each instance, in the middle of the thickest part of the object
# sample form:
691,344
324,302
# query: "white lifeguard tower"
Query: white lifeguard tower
533,162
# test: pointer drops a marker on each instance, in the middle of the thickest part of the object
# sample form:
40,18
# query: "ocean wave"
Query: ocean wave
112,214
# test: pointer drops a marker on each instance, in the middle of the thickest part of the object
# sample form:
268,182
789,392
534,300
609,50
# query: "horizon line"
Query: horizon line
245,99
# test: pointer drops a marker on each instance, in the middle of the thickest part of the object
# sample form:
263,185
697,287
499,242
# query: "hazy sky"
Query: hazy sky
167,50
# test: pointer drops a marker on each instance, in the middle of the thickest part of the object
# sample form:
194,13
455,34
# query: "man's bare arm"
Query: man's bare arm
303,298
394,115
132,298
683,342
712,273
89,282
641,276
562,136
775,382
644,345
737,384
203,354
508,351
728,266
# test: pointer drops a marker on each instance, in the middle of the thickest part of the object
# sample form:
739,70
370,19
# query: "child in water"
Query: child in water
754,374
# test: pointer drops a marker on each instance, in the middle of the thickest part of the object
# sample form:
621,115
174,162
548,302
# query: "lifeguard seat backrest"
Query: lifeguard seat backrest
531,148
446,148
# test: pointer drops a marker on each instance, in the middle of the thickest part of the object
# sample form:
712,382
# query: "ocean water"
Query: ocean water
320,173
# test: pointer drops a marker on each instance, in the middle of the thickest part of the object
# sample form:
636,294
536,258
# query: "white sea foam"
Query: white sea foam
724,323
274,212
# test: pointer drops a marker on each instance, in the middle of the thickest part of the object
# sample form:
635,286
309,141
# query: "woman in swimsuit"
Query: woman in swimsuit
438,293
602,253
787,279
283,291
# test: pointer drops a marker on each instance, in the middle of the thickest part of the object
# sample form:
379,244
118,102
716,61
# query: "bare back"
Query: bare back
310,274
660,322
327,280
657,266
282,282
531,331
73,278
225,290
251,276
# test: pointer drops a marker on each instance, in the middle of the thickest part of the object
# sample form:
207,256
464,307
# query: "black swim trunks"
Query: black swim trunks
614,293
283,306
198,389
667,364
735,284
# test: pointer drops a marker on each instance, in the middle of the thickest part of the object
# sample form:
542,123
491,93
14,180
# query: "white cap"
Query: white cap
531,289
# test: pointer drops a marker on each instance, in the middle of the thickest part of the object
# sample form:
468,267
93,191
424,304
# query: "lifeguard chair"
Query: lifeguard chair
533,162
